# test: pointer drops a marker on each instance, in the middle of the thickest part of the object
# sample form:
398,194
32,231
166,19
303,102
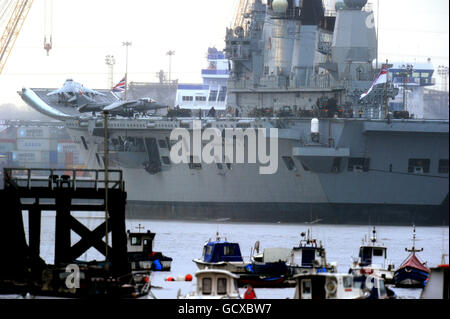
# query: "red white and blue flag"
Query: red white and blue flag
120,87
381,78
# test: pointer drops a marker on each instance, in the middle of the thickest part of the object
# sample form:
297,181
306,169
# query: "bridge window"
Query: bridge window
289,162
200,98
358,164
135,241
378,252
221,286
228,250
187,98
206,286
213,95
419,166
443,166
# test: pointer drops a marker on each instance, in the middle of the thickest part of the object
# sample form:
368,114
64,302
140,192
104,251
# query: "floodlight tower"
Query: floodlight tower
170,54
110,62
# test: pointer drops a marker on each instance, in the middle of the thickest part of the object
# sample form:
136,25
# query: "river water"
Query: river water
183,241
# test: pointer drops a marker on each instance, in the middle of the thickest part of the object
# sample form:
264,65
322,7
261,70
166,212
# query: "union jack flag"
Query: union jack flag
120,87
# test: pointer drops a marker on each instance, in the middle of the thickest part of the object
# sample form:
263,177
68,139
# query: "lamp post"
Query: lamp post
110,62
170,54
126,45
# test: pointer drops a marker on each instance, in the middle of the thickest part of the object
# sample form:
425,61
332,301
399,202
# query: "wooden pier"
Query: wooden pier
62,191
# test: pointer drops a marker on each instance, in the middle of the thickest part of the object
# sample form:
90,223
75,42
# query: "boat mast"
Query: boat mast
378,33
413,249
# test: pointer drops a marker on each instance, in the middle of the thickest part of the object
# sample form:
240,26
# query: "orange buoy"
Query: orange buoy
188,277
170,279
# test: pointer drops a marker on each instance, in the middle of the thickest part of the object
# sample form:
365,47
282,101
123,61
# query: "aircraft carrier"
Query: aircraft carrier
300,69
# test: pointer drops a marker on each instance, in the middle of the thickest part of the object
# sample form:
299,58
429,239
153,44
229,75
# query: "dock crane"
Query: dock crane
12,30
241,13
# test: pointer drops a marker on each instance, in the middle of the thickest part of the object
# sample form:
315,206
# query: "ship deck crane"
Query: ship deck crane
12,29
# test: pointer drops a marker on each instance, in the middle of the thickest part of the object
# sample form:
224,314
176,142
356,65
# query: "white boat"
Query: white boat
372,260
340,286
214,284
309,257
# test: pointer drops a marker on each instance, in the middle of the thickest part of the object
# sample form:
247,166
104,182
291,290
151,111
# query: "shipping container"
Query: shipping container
33,132
26,156
33,145
69,159
53,157
61,158
67,147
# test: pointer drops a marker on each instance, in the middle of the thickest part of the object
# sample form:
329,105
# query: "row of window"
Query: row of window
191,98
357,164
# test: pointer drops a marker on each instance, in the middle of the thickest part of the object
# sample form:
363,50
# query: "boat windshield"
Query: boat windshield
221,286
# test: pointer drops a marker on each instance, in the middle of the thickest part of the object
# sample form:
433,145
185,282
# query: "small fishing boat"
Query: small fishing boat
214,284
267,269
309,257
372,260
412,273
221,254
141,254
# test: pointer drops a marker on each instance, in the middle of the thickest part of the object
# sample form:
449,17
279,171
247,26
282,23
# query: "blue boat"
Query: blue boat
412,273
221,254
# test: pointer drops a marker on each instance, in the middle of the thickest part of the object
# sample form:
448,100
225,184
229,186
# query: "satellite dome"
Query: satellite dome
355,4
280,6
340,5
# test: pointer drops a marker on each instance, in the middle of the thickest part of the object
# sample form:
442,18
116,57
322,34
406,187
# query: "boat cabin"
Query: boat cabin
140,242
221,251
328,286
310,254
372,253
215,283
141,254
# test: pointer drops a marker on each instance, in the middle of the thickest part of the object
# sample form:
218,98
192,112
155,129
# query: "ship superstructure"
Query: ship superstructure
299,69
212,93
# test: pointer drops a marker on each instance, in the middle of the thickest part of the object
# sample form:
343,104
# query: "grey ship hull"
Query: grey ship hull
313,190
345,214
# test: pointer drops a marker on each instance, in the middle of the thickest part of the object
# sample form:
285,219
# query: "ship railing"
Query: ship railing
313,82
63,178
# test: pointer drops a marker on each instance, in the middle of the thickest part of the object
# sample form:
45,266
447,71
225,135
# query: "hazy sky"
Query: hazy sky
85,31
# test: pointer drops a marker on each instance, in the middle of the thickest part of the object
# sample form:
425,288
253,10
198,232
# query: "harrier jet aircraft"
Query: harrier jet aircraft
70,88
119,107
